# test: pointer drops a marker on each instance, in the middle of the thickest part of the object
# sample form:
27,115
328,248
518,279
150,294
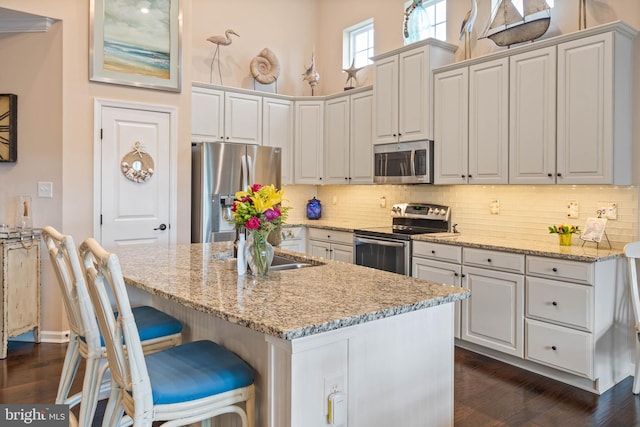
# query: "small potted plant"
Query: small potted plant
564,231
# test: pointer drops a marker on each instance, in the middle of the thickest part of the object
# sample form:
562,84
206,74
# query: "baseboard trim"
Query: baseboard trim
56,337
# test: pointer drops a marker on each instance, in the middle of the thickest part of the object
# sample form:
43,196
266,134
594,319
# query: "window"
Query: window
429,19
358,44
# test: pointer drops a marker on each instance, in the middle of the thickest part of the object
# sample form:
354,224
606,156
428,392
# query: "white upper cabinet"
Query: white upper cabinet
277,131
207,114
336,140
361,146
348,149
309,125
451,126
489,122
595,109
403,95
242,118
224,116
558,111
532,117
471,124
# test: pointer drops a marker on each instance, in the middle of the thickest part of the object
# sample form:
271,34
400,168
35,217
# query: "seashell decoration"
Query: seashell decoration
137,165
265,67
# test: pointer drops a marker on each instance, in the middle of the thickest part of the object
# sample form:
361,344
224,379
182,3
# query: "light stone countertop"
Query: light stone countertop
288,304
547,246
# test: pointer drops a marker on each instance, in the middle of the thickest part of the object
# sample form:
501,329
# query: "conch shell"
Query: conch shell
265,67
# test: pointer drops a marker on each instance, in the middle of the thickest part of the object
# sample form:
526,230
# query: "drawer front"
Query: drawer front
574,271
561,348
560,302
495,260
438,251
333,236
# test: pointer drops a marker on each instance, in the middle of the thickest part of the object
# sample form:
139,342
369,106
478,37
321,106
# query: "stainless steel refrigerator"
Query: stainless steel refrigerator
218,170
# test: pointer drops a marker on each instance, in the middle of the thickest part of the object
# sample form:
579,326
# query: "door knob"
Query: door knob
161,227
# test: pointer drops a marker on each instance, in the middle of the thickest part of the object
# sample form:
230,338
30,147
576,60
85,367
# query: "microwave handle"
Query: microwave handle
413,162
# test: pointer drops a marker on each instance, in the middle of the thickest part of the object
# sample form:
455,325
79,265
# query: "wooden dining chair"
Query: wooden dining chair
181,385
632,252
157,329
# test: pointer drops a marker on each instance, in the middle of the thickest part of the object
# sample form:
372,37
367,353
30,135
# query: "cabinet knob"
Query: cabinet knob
462,176
395,134
470,176
433,252
554,269
345,178
464,275
455,274
554,303
553,347
488,259
549,175
559,174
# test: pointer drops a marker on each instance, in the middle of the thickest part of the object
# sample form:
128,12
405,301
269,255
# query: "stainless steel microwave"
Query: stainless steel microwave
403,163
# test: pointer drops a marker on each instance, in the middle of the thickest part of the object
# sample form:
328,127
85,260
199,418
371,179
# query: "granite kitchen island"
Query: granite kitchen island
383,341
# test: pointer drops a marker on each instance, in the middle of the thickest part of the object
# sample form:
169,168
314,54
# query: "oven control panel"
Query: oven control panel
421,211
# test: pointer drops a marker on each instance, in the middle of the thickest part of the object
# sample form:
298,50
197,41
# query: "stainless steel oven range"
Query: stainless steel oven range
389,248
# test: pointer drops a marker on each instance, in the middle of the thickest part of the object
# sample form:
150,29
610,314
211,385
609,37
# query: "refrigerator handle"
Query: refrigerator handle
249,171
244,172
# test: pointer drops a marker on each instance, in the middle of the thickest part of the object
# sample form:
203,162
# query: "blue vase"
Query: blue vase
314,209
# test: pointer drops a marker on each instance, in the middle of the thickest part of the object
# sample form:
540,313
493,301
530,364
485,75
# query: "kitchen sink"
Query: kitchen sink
283,263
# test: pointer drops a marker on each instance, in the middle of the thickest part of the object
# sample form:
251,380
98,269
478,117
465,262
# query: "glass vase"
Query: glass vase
565,239
258,253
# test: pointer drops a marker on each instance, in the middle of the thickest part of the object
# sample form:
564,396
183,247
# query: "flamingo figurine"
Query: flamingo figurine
467,26
220,40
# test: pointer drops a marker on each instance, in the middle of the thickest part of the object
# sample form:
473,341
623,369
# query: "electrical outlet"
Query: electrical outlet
573,209
334,199
607,210
494,207
383,202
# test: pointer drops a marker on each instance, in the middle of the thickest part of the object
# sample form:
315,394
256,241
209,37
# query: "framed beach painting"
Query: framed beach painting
136,43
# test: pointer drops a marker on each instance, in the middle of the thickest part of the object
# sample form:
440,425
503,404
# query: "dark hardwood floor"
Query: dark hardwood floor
487,392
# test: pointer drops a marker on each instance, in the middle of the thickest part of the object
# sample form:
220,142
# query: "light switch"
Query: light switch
45,190
573,209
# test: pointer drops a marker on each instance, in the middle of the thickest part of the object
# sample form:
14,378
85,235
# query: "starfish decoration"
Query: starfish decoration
352,72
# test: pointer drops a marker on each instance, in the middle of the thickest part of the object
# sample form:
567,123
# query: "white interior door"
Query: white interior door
134,212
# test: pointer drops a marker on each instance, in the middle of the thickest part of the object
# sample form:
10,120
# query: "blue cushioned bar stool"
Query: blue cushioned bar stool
157,329
182,385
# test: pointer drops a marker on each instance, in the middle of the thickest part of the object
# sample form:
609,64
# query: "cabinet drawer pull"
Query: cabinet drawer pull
554,269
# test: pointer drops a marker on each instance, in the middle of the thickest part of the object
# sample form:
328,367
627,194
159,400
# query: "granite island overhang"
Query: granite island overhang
384,339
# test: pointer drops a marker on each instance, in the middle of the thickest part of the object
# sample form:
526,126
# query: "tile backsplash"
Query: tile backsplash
525,211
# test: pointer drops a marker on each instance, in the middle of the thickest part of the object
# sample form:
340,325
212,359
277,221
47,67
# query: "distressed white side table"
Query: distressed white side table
19,285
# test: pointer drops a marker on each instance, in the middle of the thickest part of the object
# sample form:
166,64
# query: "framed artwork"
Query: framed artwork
594,229
136,43
8,127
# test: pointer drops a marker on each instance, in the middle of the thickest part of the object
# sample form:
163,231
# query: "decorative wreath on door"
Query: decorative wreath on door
137,165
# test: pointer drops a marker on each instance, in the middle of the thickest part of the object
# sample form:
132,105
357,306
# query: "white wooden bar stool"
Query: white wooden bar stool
157,329
180,385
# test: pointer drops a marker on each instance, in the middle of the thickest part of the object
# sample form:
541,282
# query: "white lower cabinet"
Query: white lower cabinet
493,316
293,239
330,244
566,319
439,263
572,316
